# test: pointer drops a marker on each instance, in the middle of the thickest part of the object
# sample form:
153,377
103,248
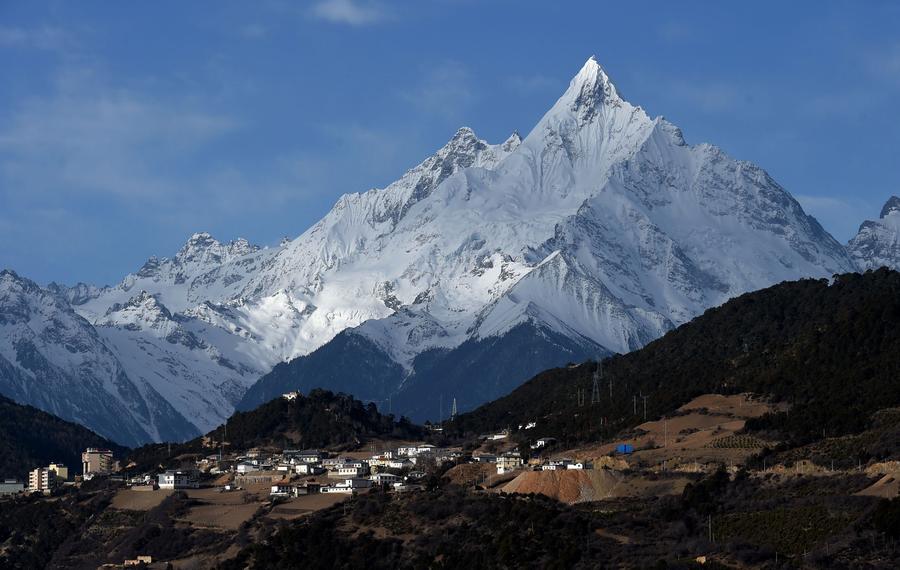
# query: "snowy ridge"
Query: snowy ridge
601,230
53,359
877,244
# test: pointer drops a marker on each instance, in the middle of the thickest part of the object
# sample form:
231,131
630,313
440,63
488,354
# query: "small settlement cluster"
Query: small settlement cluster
44,480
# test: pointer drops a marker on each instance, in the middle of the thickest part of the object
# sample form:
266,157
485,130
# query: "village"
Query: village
228,489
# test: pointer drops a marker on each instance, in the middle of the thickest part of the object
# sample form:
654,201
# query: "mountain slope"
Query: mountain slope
31,438
877,244
603,224
600,230
829,349
53,359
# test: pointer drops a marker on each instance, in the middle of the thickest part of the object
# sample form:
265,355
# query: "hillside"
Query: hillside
831,350
320,419
31,438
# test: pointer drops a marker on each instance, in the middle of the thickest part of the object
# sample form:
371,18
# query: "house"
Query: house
11,487
308,489
400,464
308,469
352,469
579,465
557,464
509,462
349,468
291,396
385,478
407,450
336,488
498,436
485,458
332,463
96,461
309,456
171,479
246,467
359,483
138,561
41,480
283,491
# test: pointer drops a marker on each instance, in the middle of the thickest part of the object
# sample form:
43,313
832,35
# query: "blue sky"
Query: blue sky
124,129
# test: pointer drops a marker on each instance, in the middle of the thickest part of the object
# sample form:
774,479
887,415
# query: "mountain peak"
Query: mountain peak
891,206
512,142
591,86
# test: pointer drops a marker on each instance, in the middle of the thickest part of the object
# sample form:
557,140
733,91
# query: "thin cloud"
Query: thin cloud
445,89
253,31
350,12
91,138
44,38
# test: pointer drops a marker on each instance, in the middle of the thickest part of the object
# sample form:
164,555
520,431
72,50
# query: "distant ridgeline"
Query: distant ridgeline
829,349
31,438
320,419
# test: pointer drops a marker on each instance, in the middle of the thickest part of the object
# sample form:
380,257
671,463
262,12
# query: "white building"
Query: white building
401,464
508,462
179,480
41,480
308,469
385,478
282,491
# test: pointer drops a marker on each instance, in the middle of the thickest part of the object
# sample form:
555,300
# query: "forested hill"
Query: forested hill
320,419
829,349
30,438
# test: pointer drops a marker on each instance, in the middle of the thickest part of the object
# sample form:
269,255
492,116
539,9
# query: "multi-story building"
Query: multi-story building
60,470
95,461
508,462
41,480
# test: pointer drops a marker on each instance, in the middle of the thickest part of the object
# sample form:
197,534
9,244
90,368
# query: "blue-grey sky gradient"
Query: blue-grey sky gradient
125,127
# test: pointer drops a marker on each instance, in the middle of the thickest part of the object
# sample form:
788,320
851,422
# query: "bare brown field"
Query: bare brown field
130,500
297,507
704,431
579,486
887,487
227,516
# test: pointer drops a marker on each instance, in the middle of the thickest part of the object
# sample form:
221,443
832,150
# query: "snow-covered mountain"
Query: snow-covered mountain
53,359
877,244
602,227
597,232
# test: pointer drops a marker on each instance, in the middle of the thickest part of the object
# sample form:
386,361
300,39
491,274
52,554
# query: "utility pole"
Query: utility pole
595,391
453,410
645,405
